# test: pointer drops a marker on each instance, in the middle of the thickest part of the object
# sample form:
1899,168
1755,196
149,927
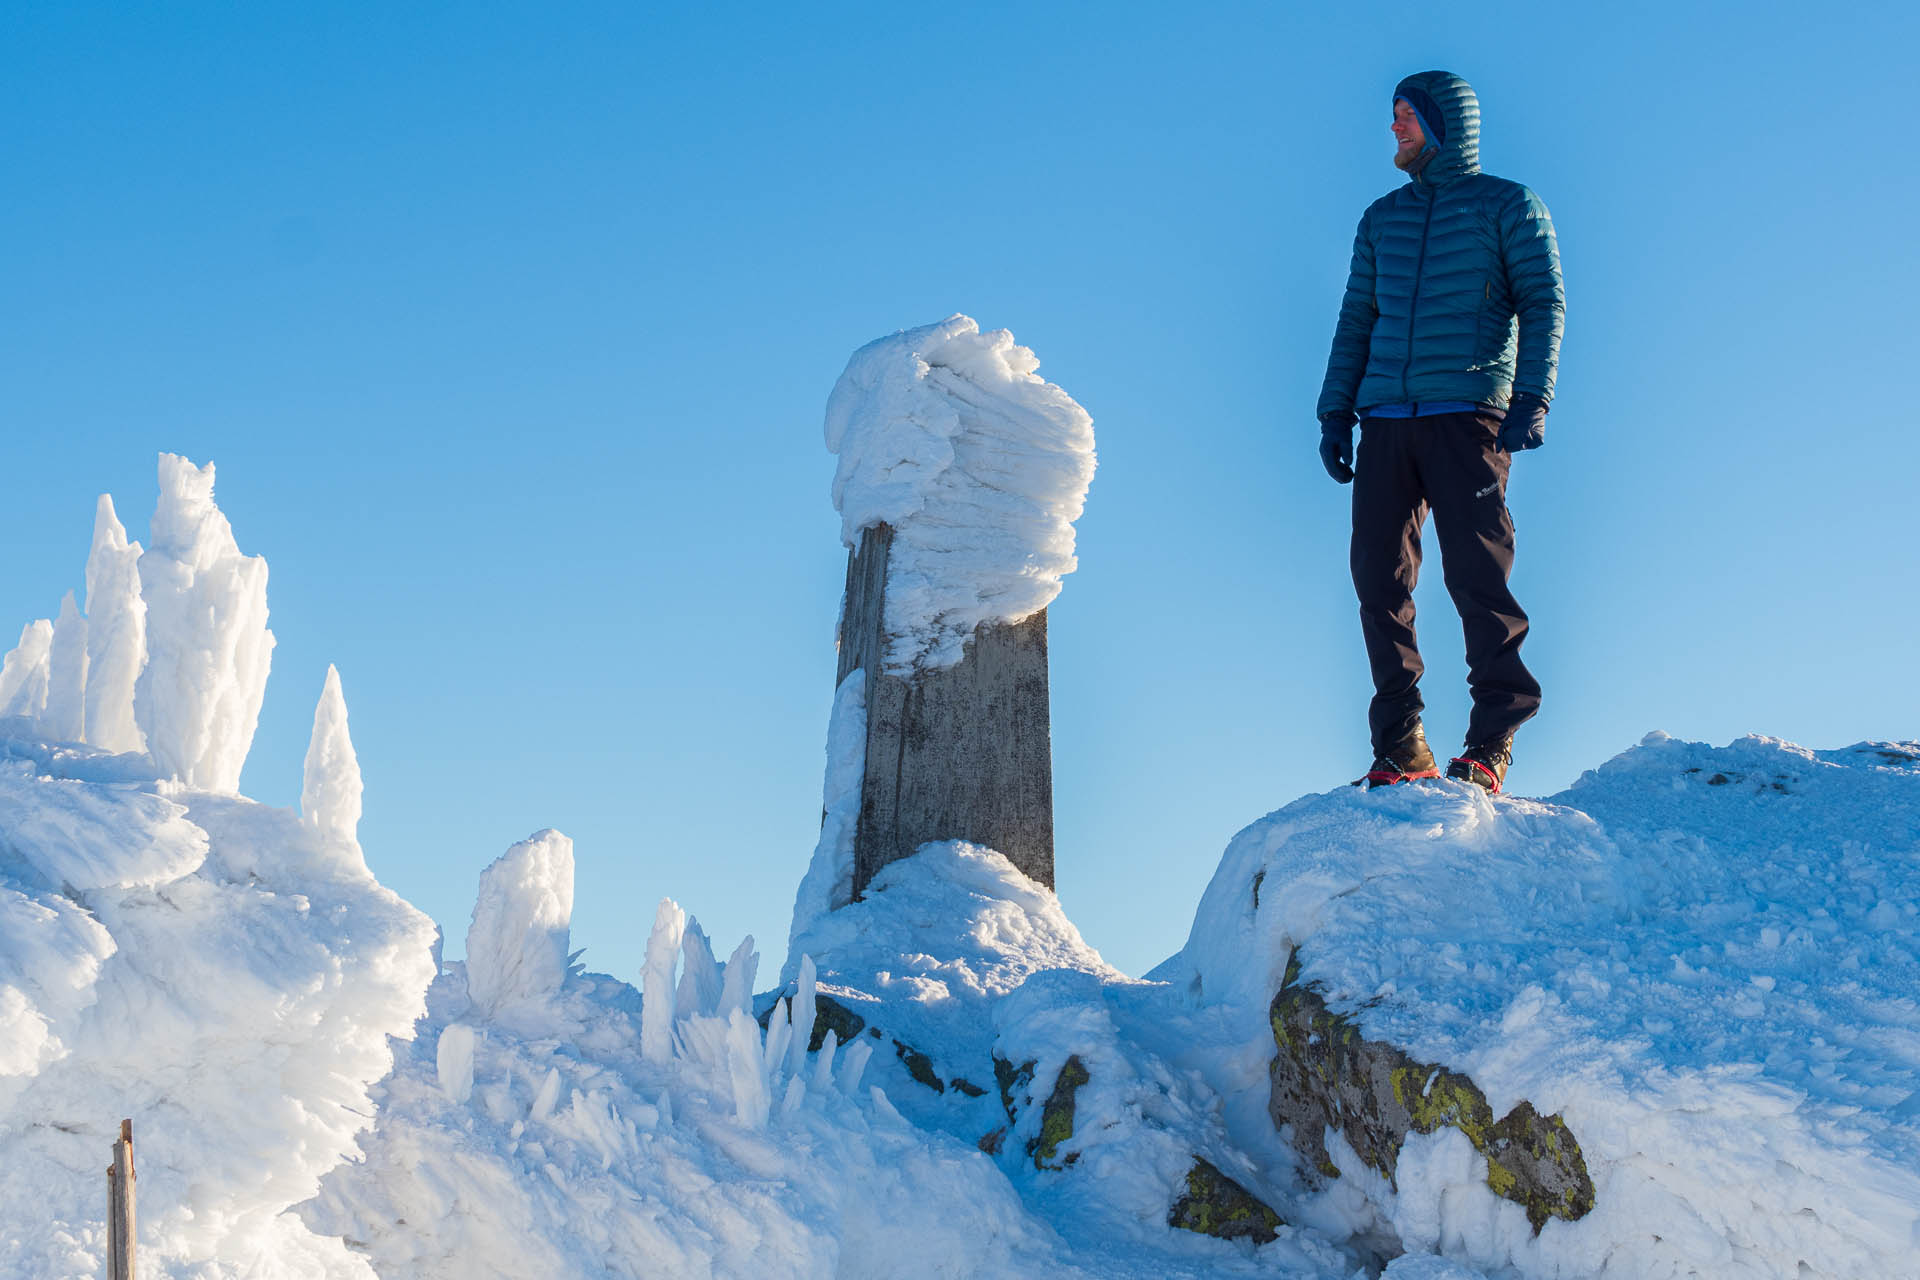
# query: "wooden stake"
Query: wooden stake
120,1180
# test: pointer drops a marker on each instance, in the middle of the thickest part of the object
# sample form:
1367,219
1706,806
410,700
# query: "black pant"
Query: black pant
1452,462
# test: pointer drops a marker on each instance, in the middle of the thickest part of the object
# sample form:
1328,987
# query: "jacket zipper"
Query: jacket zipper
1413,306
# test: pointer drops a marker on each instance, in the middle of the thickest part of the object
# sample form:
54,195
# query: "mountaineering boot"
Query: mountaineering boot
1404,761
1484,765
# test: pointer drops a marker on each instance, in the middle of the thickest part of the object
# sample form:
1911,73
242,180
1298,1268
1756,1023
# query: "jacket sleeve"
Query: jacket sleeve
1531,256
1353,334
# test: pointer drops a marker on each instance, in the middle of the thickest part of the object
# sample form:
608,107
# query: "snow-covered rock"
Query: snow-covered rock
981,467
1702,961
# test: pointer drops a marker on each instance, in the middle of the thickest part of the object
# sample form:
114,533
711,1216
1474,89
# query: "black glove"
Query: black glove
1336,446
1525,426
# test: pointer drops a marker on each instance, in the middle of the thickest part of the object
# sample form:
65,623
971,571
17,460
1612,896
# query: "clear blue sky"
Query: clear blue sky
510,328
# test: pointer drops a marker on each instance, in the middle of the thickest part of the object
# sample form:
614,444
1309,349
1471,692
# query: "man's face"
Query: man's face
1409,138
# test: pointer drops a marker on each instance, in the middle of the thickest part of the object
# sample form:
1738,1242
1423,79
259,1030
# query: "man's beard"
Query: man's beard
1412,163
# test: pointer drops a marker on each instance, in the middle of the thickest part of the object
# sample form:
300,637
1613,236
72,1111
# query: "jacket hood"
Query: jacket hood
1450,115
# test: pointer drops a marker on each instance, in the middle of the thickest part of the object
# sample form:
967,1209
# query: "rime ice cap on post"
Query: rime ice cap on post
980,467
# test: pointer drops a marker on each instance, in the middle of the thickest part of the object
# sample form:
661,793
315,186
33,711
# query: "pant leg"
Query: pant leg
1389,508
1466,473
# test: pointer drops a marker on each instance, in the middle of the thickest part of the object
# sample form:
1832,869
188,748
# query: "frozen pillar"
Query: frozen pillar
960,475
962,752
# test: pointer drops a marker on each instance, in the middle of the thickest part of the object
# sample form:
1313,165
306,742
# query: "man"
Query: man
1445,351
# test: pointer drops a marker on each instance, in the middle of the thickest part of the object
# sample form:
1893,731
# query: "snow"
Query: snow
946,434
192,961
208,647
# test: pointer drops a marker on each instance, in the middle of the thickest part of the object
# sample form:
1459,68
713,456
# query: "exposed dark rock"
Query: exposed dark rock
1326,1075
1009,1078
1216,1205
919,1066
830,1015
965,1086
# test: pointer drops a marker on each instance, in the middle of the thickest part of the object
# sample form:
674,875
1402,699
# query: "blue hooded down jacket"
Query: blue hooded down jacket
1455,291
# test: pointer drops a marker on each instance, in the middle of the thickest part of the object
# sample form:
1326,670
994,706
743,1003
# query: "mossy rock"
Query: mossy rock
1326,1075
1216,1205
1056,1117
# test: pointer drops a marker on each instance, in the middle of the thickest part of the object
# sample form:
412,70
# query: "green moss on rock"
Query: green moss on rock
1326,1075
1056,1117
1216,1205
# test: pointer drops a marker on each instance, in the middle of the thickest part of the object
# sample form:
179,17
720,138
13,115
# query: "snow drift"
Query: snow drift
946,434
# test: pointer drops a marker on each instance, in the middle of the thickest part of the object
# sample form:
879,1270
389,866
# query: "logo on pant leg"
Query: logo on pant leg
1489,489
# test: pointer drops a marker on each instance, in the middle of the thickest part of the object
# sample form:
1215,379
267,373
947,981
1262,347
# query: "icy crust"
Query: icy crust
981,467
1707,969
208,967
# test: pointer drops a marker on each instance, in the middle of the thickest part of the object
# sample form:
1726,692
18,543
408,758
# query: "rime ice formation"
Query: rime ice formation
65,715
517,943
116,634
946,434
563,1144
23,677
172,655
331,789
828,882
208,647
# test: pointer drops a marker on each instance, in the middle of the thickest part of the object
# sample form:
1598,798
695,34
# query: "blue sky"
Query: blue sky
510,327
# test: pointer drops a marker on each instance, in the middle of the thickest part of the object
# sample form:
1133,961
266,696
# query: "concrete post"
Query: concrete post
959,753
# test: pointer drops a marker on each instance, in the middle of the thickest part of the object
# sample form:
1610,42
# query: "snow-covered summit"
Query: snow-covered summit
1702,961
980,467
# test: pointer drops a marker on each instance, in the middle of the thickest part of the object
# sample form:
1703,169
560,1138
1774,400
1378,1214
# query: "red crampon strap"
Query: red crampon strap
1493,779
1381,778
